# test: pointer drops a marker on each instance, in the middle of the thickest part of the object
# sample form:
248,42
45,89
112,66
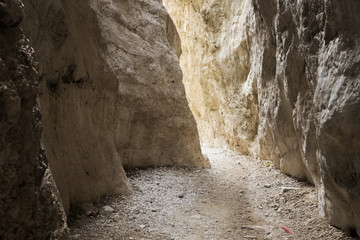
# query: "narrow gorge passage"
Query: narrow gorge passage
89,89
238,198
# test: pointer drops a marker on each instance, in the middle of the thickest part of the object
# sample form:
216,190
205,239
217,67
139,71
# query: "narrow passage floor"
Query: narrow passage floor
238,198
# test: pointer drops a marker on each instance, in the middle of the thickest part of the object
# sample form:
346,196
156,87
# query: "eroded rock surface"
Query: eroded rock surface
111,95
216,63
280,80
29,203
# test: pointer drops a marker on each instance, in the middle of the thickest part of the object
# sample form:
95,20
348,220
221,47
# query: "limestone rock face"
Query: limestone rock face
216,63
29,203
317,105
111,94
279,79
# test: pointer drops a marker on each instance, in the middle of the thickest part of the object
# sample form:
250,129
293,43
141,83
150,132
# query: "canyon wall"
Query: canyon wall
111,93
29,204
216,63
279,80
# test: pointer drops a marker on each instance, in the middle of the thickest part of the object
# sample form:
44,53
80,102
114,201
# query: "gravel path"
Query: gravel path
238,198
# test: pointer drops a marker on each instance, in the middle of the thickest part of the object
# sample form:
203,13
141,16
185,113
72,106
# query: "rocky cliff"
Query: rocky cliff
29,203
216,64
280,80
111,93
276,79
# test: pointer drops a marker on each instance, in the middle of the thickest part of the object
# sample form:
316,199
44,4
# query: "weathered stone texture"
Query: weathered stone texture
279,79
216,64
29,203
111,95
318,79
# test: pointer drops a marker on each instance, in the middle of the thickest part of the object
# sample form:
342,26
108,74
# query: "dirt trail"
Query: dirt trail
238,198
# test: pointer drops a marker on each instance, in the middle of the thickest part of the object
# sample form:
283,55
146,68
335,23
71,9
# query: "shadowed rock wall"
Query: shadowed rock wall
280,80
29,203
111,94
312,105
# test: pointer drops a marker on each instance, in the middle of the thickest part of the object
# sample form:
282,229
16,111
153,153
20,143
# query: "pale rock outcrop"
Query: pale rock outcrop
111,93
30,207
216,65
280,80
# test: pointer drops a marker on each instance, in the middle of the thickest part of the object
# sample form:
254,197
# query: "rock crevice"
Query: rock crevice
279,80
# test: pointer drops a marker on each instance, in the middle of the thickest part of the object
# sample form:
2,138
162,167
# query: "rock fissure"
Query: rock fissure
125,85
287,51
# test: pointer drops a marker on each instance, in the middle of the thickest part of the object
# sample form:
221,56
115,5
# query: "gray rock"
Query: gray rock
287,189
108,209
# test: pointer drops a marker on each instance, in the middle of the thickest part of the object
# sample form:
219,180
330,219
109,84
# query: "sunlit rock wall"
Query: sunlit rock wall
280,80
29,201
111,93
216,64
